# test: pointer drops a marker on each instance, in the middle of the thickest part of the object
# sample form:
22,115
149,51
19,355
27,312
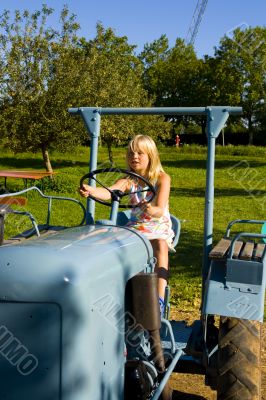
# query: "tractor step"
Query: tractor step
187,340
181,334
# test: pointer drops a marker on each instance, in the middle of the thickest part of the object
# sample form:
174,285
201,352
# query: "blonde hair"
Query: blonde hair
147,145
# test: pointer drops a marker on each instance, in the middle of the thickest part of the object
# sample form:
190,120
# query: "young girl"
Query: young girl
151,219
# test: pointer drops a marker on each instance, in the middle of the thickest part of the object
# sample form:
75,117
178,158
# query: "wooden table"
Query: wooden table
25,175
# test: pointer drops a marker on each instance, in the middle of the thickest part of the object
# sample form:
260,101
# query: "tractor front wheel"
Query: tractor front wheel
239,359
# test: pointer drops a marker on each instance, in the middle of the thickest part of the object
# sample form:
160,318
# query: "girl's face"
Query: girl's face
138,161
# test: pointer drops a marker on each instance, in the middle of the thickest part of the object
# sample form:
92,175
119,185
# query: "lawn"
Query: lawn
240,192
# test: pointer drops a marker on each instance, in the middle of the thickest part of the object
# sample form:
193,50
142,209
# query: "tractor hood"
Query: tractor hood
81,255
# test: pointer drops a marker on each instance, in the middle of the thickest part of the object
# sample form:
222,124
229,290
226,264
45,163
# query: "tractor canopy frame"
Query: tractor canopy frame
216,119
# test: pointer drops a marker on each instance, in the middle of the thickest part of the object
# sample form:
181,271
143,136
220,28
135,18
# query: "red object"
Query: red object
177,140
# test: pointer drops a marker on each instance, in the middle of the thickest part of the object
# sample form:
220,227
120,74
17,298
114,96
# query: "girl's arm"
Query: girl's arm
157,206
102,193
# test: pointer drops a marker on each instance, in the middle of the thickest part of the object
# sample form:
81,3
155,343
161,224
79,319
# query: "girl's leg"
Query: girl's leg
160,251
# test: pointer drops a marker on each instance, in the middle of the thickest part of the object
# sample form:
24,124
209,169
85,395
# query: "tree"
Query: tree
171,76
115,80
169,73
39,81
240,67
44,72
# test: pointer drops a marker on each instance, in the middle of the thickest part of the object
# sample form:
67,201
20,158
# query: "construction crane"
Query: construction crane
195,22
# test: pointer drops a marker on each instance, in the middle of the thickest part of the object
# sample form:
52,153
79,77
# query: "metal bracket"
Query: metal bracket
216,119
91,117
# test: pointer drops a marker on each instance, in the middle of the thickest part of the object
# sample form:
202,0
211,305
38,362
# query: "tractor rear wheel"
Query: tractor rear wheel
239,360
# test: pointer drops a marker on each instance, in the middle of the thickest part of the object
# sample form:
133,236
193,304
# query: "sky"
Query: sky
143,21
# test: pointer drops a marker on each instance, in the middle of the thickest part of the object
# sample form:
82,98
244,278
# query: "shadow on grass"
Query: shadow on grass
200,192
37,163
189,249
195,164
201,164
188,258
21,162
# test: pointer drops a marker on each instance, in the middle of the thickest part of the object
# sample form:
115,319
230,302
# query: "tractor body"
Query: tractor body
79,309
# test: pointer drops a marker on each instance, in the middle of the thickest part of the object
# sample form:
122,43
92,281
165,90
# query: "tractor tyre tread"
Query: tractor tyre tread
239,369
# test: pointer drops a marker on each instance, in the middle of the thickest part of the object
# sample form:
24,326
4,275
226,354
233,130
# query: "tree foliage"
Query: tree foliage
44,71
170,73
236,75
240,65
115,80
38,81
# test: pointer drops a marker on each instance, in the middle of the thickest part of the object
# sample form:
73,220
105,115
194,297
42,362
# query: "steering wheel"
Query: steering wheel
117,195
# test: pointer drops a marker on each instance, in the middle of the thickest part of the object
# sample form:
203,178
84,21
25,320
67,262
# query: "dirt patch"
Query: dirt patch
192,387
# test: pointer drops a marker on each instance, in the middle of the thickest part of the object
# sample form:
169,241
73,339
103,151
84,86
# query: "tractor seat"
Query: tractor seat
123,218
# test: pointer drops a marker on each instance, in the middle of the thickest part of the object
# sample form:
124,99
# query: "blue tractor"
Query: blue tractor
79,313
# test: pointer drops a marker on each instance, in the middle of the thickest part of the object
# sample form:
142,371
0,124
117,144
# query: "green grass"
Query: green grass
240,192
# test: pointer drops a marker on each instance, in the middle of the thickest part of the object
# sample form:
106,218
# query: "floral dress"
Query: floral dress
151,227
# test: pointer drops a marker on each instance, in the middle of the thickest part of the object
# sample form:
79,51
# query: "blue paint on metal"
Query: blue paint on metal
236,287
114,211
244,301
181,332
92,167
208,211
263,231
247,276
92,120
217,117
242,221
62,297
157,110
